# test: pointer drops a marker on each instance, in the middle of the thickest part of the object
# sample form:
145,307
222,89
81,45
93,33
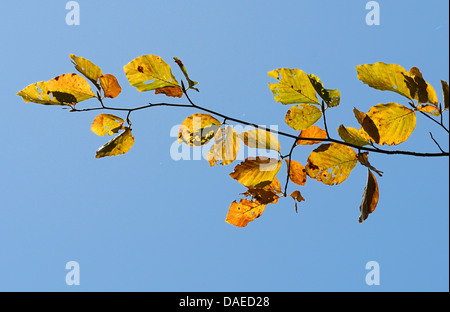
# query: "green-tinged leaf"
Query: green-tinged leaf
370,197
66,89
302,116
445,94
294,86
198,129
149,72
240,214
393,77
331,97
352,136
87,68
394,122
225,149
331,163
191,83
119,145
259,138
256,172
106,124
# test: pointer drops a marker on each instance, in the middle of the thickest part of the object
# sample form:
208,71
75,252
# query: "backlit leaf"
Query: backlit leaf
256,172
394,122
66,89
110,85
331,163
259,138
225,149
363,159
269,194
119,145
170,91
87,68
331,97
198,129
312,132
294,86
149,72
370,197
297,173
393,77
352,136
106,123
240,214
429,109
302,116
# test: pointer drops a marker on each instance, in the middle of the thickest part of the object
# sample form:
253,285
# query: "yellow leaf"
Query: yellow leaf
269,194
352,136
66,89
312,132
331,163
370,197
149,72
119,145
259,138
225,149
294,86
110,85
170,91
430,109
393,77
106,123
191,83
302,116
198,129
240,214
87,68
331,97
394,122
297,173
256,172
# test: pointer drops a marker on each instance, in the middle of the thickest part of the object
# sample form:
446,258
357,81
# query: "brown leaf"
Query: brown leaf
370,197
170,91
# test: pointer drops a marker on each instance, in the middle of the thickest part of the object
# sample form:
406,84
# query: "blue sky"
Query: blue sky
144,222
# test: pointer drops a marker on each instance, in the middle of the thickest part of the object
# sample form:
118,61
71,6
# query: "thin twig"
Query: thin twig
436,143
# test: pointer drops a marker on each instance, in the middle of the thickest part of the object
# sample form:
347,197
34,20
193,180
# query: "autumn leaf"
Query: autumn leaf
149,72
363,159
331,97
302,116
106,124
394,122
352,136
294,86
312,132
240,214
297,197
297,173
331,163
110,85
225,149
170,91
269,194
393,77
445,94
119,145
66,89
370,197
256,172
198,129
259,138
191,83
87,68
429,109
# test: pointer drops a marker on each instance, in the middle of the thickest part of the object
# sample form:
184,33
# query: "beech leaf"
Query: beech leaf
370,197
301,117
331,97
106,124
198,129
87,68
259,138
110,85
297,172
312,132
225,149
256,172
119,145
240,214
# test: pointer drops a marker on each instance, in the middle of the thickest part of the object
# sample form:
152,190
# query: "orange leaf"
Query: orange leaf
110,85
297,173
297,196
313,132
240,214
170,91
370,197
